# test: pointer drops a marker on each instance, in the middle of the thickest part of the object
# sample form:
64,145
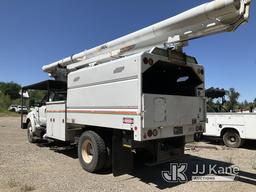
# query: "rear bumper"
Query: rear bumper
171,132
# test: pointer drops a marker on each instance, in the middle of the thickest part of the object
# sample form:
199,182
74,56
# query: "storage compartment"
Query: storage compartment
56,120
170,79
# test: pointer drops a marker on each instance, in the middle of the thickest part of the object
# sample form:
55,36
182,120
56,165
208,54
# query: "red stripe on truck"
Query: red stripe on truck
94,111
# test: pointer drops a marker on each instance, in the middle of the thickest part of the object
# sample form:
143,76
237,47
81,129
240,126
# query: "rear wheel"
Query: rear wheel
31,137
92,151
232,139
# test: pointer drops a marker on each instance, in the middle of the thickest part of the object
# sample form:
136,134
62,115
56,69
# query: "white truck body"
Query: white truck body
110,94
243,123
138,91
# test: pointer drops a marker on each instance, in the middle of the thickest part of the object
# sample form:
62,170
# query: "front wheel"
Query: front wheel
232,139
92,151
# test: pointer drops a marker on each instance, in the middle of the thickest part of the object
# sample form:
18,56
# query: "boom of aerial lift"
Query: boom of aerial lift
209,18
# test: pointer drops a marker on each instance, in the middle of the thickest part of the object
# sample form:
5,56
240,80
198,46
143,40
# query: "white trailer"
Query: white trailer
138,92
233,128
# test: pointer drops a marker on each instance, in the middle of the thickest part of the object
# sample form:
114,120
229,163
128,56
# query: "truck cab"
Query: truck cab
36,119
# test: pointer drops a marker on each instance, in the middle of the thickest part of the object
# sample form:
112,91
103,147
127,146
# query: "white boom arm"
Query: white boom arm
206,19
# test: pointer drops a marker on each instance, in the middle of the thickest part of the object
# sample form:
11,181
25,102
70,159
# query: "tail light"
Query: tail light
145,60
150,61
150,133
155,132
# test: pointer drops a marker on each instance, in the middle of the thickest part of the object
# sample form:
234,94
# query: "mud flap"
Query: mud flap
122,157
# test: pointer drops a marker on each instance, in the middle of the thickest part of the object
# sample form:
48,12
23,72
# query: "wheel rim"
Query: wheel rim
232,139
87,151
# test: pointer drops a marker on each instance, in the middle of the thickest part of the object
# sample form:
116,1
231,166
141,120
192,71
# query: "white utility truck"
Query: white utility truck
233,128
140,92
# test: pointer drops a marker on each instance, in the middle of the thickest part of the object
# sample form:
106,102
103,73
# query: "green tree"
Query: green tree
10,88
210,105
5,101
232,102
35,96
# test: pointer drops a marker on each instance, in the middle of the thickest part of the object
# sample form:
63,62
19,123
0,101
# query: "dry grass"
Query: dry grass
26,188
230,160
22,188
6,113
12,183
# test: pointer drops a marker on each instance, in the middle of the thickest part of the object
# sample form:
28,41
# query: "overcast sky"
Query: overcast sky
37,32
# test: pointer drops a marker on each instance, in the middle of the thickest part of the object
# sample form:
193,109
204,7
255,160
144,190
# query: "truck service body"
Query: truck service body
138,92
233,128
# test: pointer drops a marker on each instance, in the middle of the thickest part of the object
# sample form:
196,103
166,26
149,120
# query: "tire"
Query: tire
92,151
24,126
31,138
232,139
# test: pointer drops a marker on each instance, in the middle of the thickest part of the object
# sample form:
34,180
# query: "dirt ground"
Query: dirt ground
44,167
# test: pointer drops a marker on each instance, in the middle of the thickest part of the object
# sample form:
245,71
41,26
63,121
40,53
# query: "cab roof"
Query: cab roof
47,85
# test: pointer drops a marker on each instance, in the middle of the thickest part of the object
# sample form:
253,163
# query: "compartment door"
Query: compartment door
56,120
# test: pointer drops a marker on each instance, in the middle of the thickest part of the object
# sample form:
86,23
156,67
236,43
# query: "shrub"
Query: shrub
5,101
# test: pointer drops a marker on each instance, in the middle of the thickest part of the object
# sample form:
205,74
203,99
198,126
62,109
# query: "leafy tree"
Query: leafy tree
246,103
248,106
215,105
5,101
251,106
232,102
10,88
35,96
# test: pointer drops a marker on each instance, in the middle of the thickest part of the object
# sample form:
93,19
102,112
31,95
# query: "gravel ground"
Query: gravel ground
28,167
